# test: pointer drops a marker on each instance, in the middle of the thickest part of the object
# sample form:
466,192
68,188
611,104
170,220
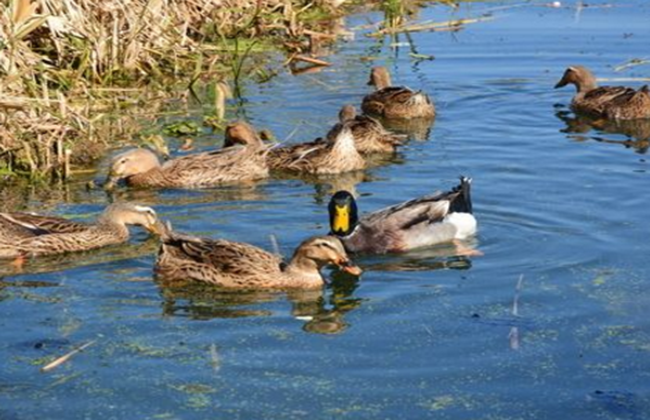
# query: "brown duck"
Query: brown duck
611,102
424,221
23,234
239,265
369,134
393,101
333,156
238,163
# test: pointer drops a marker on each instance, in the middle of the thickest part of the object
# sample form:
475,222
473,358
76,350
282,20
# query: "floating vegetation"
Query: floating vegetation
182,128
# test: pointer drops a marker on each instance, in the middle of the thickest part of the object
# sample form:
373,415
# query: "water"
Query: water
419,336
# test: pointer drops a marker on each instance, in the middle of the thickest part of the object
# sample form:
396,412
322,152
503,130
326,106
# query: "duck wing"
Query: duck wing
233,163
298,157
631,104
228,258
28,225
369,134
597,100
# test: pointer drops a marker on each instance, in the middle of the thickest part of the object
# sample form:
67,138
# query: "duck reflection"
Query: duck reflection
637,131
418,129
61,262
449,256
253,191
322,311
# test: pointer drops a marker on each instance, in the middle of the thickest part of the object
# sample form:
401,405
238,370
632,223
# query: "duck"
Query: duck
236,163
334,155
425,221
26,235
237,265
369,134
610,102
395,101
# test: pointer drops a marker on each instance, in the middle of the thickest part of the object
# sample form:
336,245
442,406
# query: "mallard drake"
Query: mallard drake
395,101
424,221
323,156
23,235
369,134
239,265
238,163
611,102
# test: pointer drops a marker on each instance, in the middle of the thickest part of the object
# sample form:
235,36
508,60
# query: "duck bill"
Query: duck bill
563,82
341,220
348,267
157,228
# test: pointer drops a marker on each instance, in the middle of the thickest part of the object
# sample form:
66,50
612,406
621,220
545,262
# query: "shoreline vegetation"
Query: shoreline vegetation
78,78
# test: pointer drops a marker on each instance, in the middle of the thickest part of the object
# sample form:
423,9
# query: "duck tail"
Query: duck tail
166,232
462,203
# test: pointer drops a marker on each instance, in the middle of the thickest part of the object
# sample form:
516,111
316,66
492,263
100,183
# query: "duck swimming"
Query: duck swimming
424,221
237,163
238,265
395,101
24,235
369,134
611,102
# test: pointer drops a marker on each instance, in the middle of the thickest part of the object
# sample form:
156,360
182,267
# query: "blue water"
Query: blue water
422,335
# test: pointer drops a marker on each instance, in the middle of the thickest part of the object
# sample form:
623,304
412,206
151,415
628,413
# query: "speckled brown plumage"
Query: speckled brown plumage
611,102
237,265
333,156
395,102
238,163
29,235
369,134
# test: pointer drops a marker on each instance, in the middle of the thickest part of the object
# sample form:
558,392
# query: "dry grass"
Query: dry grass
63,62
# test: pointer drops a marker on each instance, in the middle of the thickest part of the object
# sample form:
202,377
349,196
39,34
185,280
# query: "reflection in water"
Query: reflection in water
440,257
638,131
253,191
415,128
322,311
61,262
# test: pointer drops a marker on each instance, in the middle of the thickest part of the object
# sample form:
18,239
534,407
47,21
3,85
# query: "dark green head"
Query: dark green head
343,213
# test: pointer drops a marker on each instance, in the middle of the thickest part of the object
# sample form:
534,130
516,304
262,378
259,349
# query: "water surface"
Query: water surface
421,335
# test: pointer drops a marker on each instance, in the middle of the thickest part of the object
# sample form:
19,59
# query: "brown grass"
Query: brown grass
65,66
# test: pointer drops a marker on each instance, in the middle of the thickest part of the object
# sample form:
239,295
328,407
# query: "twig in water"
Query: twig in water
61,360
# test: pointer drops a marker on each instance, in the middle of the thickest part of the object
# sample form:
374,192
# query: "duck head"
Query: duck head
326,250
132,214
379,77
343,213
579,76
132,162
240,132
347,113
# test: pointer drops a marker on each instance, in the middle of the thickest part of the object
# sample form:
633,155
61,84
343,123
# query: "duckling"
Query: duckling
369,134
332,156
611,102
424,221
395,102
237,265
24,234
141,168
